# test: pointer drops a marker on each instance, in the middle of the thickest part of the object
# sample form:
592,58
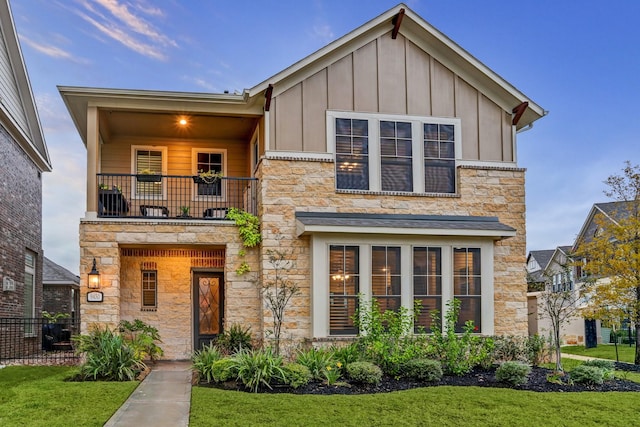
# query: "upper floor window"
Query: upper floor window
379,152
206,160
149,161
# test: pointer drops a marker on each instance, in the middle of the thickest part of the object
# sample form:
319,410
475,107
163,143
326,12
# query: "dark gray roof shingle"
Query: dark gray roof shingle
56,274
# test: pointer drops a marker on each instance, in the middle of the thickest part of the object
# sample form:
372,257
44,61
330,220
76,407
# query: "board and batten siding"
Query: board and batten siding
393,77
9,89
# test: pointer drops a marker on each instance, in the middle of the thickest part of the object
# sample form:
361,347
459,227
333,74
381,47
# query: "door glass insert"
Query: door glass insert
209,296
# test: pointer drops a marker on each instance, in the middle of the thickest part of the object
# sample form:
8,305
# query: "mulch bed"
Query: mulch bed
480,378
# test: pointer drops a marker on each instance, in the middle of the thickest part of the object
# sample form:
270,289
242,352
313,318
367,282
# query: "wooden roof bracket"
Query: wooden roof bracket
267,97
396,21
518,112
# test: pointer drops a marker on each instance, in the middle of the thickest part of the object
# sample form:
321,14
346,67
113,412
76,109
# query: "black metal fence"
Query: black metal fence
170,196
37,341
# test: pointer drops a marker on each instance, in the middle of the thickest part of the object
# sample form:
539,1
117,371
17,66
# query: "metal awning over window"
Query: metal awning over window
424,225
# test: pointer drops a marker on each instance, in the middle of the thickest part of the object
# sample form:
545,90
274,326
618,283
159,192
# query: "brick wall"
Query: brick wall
20,223
57,299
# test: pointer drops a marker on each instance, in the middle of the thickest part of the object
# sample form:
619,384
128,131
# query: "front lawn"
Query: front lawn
604,351
39,396
442,406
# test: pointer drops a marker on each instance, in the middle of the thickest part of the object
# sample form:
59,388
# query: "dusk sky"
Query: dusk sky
578,60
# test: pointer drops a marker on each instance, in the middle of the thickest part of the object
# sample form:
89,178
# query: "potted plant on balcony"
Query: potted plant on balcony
185,211
147,175
208,177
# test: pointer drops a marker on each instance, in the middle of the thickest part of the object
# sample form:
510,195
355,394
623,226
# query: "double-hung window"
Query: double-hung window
391,153
386,276
427,283
467,281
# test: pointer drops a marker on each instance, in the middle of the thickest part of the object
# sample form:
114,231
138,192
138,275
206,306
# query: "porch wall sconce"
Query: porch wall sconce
94,277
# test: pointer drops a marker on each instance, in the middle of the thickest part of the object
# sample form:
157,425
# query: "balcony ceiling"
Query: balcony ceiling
120,123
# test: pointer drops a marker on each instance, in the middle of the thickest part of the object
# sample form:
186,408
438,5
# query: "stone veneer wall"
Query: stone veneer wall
120,282
290,185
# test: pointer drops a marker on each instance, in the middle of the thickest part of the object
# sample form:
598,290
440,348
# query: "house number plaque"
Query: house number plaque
95,296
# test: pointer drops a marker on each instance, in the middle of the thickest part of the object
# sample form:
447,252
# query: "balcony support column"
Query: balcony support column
93,161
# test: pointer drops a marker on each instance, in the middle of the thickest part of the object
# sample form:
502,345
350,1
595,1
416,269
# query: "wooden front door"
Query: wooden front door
208,306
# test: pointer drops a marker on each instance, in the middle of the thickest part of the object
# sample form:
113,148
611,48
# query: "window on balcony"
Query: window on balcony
209,161
149,162
377,152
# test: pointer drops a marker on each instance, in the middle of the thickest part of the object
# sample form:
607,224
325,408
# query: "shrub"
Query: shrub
590,375
348,354
514,373
364,372
203,360
296,375
108,356
423,369
223,370
235,339
459,353
607,367
259,367
316,360
142,338
536,348
386,338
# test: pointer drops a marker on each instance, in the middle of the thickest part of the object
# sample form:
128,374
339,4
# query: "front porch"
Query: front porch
152,270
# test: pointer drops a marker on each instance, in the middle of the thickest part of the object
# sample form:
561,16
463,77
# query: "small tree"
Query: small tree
613,253
279,291
558,304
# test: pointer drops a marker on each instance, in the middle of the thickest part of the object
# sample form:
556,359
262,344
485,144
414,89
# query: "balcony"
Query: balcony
173,197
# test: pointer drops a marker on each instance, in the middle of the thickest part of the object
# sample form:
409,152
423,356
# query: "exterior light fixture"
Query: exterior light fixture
94,277
182,122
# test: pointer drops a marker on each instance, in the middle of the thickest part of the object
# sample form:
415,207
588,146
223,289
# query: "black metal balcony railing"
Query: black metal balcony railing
171,196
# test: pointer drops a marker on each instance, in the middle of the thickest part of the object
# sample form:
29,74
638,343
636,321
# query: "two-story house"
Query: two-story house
23,159
559,274
384,163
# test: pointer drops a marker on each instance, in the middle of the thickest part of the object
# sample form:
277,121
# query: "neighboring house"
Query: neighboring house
559,275
384,163
23,158
60,290
600,214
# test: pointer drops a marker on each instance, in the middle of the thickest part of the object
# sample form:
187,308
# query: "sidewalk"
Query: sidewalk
163,398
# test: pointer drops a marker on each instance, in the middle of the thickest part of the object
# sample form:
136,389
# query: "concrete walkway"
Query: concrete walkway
163,398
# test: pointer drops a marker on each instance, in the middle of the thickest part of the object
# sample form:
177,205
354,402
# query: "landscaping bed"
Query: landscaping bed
537,381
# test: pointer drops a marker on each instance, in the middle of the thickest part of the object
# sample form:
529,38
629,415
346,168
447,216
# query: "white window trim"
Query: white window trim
417,132
164,151
194,170
32,271
320,246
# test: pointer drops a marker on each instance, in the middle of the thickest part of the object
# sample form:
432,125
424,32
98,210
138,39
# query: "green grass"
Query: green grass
39,396
603,351
441,406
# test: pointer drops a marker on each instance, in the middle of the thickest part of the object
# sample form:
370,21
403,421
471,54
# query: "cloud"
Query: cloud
323,32
52,51
124,24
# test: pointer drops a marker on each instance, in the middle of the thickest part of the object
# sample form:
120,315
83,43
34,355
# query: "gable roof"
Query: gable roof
542,257
612,211
54,274
419,31
18,112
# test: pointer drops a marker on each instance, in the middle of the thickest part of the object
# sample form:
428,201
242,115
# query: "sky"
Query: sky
580,61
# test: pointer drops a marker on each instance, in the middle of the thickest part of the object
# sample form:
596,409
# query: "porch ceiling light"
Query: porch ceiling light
94,277
182,121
